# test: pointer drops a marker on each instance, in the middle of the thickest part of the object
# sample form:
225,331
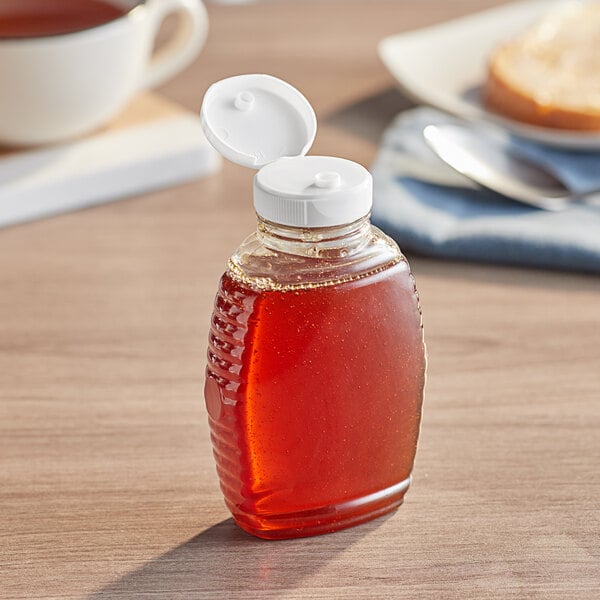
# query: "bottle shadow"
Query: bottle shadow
225,560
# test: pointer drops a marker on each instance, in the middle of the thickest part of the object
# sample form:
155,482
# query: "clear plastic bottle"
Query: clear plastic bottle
316,359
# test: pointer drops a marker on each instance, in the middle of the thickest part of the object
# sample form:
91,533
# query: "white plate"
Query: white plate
445,65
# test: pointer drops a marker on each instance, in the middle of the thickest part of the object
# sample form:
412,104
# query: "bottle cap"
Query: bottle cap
313,191
263,122
253,120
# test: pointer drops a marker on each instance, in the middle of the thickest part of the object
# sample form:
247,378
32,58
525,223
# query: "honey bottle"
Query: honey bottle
316,358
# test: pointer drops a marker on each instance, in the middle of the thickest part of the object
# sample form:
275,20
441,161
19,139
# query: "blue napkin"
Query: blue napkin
430,209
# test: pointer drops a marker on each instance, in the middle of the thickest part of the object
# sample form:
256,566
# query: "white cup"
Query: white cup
57,87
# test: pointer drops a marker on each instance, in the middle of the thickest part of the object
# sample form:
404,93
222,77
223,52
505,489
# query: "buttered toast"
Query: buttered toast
549,75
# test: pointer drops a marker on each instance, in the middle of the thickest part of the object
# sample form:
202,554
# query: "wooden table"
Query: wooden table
107,483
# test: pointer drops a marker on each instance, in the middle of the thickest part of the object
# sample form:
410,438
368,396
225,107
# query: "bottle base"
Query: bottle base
326,519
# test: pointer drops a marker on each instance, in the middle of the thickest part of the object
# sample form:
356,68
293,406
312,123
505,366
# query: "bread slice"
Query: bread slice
550,74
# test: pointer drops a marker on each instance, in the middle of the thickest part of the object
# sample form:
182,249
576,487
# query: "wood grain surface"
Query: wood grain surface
107,483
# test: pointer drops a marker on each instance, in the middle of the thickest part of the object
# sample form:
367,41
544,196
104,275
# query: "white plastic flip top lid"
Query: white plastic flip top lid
263,122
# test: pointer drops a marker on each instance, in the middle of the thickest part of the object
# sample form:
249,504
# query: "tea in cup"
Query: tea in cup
68,66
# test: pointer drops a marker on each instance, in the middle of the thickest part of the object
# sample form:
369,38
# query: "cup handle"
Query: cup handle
184,43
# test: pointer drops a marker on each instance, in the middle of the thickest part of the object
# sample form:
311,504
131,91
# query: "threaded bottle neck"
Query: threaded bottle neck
325,242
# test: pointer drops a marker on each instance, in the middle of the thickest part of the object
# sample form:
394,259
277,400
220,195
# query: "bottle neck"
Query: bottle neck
323,242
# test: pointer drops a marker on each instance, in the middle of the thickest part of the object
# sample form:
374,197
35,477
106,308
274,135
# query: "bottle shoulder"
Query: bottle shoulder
264,265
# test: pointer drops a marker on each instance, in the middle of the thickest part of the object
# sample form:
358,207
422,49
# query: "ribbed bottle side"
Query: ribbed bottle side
224,391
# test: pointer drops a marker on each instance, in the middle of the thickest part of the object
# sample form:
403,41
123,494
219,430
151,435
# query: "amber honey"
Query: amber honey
314,398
